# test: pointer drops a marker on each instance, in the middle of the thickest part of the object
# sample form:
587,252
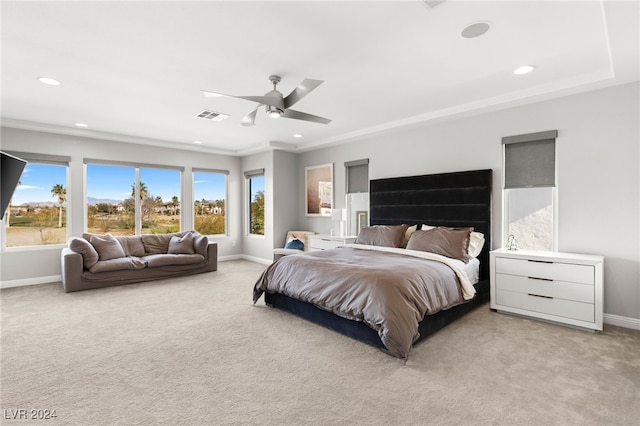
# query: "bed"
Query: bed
449,201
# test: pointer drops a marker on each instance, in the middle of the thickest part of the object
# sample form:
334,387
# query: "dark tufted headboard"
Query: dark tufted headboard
446,199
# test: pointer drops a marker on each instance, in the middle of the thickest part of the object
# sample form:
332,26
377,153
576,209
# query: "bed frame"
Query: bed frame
457,199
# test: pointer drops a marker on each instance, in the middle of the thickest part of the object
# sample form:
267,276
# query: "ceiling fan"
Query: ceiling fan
278,105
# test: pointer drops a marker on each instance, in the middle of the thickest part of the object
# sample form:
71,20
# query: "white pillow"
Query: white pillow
476,241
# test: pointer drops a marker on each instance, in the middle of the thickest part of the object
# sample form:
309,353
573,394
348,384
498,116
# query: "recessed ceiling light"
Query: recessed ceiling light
476,29
82,125
525,69
197,142
297,135
48,80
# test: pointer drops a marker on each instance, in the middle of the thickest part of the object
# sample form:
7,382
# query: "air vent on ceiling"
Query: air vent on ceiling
211,115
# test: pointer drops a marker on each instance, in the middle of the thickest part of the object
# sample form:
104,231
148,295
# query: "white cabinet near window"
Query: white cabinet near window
323,242
565,288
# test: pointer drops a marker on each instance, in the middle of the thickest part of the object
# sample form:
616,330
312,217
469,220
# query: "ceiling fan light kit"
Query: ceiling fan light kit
276,104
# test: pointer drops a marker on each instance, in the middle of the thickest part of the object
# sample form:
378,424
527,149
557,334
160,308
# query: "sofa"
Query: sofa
96,261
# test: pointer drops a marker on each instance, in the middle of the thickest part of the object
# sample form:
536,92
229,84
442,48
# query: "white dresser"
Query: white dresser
562,287
323,242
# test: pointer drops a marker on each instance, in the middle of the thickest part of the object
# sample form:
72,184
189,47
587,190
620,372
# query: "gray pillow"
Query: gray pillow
449,242
107,247
181,245
157,243
89,254
132,245
382,235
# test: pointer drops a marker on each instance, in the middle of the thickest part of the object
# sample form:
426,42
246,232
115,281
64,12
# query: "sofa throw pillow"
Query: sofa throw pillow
132,245
157,243
181,245
89,254
295,244
107,247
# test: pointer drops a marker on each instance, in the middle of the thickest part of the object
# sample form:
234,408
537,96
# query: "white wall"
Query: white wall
598,159
35,265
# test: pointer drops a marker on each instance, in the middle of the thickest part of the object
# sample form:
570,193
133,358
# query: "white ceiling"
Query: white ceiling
133,71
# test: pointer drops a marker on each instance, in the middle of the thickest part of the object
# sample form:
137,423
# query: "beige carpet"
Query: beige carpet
195,351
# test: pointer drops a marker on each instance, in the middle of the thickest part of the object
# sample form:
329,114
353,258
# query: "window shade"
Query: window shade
252,173
357,176
530,160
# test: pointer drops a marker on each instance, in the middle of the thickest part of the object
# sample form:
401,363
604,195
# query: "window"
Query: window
255,182
529,190
130,200
209,193
37,212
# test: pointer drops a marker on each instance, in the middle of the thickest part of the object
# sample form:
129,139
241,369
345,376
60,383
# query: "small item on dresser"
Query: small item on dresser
512,244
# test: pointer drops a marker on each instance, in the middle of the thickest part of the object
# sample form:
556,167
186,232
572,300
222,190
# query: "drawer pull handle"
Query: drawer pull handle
540,279
538,295
539,261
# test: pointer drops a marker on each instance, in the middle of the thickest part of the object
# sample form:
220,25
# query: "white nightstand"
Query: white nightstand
562,287
322,242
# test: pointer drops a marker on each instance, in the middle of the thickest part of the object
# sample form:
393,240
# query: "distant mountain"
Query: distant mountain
93,201
41,204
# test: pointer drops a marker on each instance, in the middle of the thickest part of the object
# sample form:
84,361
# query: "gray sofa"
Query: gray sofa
96,261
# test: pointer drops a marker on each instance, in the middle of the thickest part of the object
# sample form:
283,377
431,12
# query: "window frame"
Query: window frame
249,175
226,197
138,206
506,200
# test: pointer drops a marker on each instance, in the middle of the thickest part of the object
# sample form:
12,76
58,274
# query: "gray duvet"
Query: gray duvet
389,291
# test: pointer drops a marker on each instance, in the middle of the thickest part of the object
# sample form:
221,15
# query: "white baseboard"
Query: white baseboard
31,281
257,259
626,322
231,257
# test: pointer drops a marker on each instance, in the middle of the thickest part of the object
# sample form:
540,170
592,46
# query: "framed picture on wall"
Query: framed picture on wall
318,195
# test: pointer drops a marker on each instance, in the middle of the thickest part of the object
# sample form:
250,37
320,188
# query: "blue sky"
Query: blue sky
36,183
114,182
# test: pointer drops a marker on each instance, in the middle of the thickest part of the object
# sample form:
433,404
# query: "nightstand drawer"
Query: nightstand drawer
558,307
548,270
557,289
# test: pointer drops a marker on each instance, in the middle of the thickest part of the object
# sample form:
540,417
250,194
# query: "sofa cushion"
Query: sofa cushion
121,263
159,260
89,254
132,245
181,244
107,247
156,243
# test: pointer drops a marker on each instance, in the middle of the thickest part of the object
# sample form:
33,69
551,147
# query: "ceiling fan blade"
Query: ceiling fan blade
264,100
250,119
290,113
301,91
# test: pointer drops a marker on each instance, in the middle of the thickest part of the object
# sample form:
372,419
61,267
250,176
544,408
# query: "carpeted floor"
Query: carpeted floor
195,351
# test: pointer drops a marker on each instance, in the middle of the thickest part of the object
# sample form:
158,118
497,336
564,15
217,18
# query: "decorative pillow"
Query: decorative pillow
295,244
450,242
181,245
132,245
89,254
476,241
107,247
407,234
157,243
382,235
